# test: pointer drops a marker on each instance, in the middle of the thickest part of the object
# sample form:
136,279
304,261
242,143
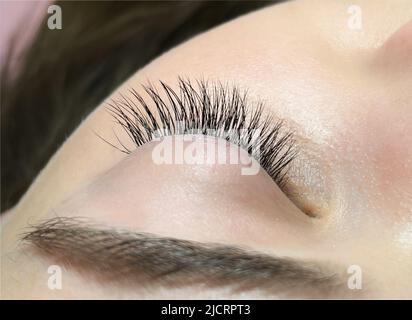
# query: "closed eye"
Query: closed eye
208,109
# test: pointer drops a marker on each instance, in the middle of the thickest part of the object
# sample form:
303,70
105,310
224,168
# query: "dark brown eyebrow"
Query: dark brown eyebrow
134,257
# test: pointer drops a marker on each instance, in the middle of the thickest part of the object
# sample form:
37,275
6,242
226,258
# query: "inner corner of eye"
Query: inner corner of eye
310,206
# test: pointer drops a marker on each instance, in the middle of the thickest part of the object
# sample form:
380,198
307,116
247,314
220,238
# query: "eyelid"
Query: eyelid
207,109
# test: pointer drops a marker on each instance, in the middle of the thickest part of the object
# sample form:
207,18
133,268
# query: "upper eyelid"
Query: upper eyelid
197,109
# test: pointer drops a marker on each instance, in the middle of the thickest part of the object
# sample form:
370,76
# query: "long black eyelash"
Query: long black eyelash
210,110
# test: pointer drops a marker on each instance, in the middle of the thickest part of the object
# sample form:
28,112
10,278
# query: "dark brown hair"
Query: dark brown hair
65,73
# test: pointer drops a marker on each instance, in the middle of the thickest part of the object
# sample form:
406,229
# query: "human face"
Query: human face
343,91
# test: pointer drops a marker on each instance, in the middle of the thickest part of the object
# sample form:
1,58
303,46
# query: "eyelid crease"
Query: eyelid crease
208,109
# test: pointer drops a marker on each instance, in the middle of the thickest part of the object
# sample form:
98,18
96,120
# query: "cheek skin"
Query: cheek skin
375,178
382,153
395,53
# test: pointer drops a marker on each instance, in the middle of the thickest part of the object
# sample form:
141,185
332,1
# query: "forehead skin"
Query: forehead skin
338,87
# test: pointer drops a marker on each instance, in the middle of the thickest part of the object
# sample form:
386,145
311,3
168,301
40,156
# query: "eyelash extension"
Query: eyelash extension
208,109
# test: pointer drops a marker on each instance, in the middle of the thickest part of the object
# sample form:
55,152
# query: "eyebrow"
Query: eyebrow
137,258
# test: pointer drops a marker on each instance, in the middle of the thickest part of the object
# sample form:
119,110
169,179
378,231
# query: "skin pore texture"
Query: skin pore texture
346,94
